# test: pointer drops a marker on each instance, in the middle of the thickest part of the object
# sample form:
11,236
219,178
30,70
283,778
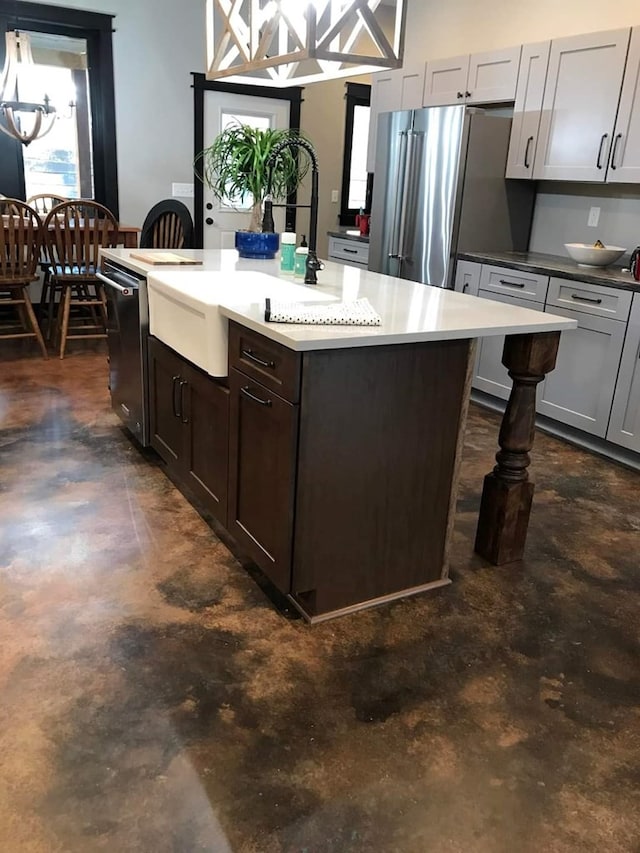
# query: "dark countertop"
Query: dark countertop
349,235
556,265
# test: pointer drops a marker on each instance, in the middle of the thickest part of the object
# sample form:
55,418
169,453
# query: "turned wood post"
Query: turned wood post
507,491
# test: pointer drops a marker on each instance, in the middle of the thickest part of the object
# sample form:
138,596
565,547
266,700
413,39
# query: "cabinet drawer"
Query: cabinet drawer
526,285
268,362
589,298
351,251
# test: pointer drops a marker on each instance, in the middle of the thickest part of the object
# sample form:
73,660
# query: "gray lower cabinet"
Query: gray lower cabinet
491,375
624,426
467,277
579,392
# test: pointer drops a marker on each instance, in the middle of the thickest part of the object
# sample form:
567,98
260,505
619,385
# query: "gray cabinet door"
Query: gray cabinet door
624,427
579,392
491,376
527,110
467,277
625,153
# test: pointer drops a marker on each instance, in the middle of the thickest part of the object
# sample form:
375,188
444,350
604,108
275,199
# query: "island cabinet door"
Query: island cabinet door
205,417
262,464
165,391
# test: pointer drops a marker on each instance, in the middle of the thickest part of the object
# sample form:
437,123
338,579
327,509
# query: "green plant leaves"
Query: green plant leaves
235,164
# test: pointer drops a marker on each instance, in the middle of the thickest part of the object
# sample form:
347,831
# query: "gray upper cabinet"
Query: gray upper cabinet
579,392
400,89
479,78
579,108
624,426
624,165
527,110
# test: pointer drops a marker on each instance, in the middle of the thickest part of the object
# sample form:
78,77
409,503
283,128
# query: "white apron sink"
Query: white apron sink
184,309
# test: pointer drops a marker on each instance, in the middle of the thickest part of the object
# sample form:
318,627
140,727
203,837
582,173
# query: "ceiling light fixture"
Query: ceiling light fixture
18,55
294,42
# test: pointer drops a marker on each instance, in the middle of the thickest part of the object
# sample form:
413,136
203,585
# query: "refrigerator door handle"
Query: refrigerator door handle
408,171
399,207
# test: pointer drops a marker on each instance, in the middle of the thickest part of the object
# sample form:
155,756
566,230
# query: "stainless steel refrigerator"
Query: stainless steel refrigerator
439,189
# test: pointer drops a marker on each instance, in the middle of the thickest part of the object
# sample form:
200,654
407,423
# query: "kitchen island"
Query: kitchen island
330,453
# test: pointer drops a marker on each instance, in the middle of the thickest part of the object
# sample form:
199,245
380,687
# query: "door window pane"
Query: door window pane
262,122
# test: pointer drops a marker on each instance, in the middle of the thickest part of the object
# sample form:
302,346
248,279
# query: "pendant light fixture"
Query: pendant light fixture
294,42
12,111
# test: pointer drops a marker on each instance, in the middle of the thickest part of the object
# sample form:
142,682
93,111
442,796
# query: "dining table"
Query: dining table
126,237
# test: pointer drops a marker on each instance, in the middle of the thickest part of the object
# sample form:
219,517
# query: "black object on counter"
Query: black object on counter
268,226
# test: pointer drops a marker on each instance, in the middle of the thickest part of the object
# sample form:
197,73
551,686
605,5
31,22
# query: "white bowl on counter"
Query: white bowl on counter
588,255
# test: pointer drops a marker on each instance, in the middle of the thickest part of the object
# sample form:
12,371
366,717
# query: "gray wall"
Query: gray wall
561,216
156,46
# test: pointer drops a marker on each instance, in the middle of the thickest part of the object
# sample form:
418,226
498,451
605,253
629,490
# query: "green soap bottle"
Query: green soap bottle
287,251
300,264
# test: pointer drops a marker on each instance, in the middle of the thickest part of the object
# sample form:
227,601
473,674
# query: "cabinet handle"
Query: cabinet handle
467,94
604,138
174,405
351,251
465,287
585,299
459,95
527,164
184,418
247,393
248,353
511,283
614,151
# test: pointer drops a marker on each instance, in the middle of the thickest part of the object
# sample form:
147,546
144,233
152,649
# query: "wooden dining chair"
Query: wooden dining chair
43,203
74,232
20,245
168,225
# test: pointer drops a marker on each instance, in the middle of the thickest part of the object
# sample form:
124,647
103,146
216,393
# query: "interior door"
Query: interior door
221,221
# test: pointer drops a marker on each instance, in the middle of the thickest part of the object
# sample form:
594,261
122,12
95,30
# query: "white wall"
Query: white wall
441,28
156,46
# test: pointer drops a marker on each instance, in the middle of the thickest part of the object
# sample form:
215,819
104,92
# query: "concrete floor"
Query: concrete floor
153,699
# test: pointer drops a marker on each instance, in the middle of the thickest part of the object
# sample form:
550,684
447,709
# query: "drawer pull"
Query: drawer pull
511,283
247,393
247,353
586,299
350,251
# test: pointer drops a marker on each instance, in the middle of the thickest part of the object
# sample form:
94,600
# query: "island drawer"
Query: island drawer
526,285
589,298
268,362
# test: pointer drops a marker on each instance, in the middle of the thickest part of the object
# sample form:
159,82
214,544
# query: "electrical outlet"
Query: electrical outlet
334,196
594,217
182,190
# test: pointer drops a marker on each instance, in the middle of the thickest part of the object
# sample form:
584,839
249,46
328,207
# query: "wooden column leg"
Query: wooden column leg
507,492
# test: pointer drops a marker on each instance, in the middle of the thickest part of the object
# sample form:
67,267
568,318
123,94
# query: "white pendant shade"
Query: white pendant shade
294,42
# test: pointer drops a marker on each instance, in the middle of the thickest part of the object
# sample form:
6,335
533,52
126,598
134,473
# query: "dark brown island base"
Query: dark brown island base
331,454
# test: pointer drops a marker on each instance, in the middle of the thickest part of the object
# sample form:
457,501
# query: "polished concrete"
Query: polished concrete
152,698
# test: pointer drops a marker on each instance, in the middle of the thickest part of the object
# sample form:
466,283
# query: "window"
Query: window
78,157
355,180
262,122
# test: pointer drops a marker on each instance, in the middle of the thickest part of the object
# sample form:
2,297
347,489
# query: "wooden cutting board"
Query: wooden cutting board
164,258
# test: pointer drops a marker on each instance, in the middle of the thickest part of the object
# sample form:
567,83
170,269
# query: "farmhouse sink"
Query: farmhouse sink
184,309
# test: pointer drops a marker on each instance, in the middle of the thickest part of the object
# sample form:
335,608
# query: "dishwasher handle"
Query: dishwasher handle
123,290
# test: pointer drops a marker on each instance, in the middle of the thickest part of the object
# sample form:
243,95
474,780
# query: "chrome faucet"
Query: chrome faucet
313,264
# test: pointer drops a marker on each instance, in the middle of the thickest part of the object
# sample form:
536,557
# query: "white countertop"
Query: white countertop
410,312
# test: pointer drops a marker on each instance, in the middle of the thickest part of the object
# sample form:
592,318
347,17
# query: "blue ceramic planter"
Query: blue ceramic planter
252,245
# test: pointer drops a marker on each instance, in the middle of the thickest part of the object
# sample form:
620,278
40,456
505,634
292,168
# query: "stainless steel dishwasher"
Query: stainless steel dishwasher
127,333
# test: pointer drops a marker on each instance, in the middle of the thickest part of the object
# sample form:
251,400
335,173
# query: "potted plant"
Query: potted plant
234,167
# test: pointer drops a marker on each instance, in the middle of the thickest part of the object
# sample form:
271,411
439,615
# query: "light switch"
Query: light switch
594,217
182,190
334,196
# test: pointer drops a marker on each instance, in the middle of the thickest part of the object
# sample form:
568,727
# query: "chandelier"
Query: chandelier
18,55
294,42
